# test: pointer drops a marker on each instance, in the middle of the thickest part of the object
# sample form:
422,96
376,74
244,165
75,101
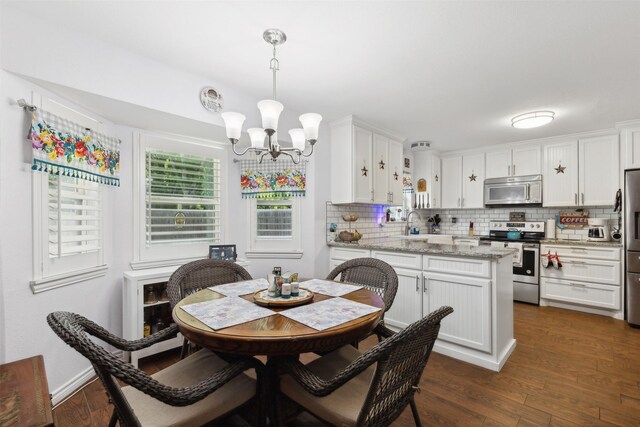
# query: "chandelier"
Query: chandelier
270,110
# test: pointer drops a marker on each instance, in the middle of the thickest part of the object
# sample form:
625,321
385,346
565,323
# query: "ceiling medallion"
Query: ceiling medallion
270,110
364,171
560,169
211,99
472,177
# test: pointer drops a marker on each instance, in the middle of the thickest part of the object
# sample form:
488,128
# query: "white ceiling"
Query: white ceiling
451,72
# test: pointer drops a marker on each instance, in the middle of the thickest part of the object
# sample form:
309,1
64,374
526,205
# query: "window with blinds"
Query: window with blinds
74,216
274,219
182,198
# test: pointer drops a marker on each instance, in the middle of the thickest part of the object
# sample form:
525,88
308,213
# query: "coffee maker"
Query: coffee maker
598,230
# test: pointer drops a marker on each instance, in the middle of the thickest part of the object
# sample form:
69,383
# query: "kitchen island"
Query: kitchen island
475,280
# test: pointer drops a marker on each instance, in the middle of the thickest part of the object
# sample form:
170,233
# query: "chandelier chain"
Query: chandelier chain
274,65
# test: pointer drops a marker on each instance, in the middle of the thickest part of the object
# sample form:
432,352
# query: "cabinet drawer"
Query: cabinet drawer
399,259
587,252
345,254
591,294
458,266
605,272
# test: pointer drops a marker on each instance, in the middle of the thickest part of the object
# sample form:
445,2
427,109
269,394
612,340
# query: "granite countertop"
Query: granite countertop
610,244
421,247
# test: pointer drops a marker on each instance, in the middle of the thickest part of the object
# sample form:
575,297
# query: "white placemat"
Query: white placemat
224,312
328,313
244,287
329,287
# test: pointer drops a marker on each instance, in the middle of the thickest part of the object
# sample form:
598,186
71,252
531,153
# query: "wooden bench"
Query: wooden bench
24,394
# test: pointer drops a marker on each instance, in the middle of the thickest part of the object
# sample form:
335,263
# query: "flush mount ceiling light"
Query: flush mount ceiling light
270,110
533,119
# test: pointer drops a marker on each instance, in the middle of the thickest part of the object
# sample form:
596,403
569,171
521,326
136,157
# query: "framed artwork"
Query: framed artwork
223,252
407,162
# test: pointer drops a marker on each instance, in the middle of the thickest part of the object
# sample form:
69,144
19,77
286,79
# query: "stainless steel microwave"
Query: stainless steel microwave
515,190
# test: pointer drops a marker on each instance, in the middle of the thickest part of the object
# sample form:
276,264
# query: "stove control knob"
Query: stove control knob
531,225
537,225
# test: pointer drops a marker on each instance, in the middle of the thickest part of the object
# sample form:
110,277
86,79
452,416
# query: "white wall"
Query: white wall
96,68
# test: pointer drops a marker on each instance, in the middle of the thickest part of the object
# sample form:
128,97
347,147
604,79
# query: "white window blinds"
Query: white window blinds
182,198
274,219
74,216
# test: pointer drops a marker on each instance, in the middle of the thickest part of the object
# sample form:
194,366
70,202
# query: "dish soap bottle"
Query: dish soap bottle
471,229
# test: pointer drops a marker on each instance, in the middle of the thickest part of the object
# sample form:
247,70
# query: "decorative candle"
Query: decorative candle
286,290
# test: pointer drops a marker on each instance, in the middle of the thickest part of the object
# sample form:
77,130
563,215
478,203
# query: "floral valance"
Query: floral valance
282,178
62,147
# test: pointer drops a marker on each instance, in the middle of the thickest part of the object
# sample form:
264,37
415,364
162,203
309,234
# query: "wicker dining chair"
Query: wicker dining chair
191,392
349,388
373,274
198,275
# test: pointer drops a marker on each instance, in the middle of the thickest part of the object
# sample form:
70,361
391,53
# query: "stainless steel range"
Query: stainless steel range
526,276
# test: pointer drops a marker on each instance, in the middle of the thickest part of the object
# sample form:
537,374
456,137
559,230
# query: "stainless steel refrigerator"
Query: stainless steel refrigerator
632,245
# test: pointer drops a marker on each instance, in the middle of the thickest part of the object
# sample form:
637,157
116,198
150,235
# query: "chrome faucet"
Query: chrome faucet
407,227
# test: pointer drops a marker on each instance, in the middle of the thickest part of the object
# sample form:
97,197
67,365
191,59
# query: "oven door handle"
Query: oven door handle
528,192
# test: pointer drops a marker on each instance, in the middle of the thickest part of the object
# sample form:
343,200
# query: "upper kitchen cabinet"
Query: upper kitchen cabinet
426,166
451,182
631,144
598,154
560,174
473,180
366,163
581,173
463,181
513,162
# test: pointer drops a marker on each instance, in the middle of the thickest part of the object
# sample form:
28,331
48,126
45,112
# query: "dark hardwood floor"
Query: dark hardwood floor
568,369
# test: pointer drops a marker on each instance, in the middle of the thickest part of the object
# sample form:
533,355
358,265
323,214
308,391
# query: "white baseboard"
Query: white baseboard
72,386
75,383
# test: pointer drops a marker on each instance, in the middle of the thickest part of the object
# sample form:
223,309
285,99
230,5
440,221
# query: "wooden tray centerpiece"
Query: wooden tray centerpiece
261,298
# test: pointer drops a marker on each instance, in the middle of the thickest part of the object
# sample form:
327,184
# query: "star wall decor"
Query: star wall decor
381,164
395,176
364,171
472,177
560,169
436,178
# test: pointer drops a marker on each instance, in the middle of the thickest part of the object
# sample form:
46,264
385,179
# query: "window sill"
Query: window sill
145,265
54,282
274,254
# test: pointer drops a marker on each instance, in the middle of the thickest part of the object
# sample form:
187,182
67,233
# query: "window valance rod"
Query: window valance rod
23,104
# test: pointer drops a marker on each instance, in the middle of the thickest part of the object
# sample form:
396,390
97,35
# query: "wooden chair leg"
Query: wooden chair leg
414,411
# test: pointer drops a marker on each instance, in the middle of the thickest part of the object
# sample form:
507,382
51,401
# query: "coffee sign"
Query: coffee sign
573,219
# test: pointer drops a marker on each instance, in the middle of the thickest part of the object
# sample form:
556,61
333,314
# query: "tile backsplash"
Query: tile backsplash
370,216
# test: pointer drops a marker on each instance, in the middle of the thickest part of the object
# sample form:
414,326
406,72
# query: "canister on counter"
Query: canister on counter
295,289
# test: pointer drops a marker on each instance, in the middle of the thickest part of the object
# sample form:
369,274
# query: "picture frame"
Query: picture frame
223,252
407,163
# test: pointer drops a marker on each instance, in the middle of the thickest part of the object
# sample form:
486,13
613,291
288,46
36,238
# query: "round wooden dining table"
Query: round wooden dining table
276,335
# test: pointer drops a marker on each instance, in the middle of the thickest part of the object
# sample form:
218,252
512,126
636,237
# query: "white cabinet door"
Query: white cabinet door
631,147
407,305
451,182
380,169
362,169
560,174
526,161
395,172
470,323
597,155
472,181
498,164
436,178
